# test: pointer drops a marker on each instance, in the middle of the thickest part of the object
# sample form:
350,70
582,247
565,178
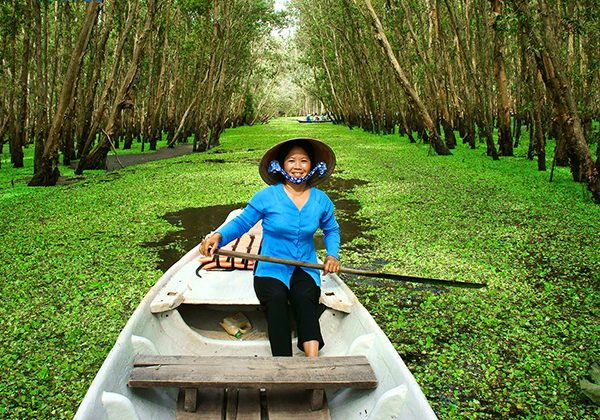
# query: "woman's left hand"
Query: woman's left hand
332,265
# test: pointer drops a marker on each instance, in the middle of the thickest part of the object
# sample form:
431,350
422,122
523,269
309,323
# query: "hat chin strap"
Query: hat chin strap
275,167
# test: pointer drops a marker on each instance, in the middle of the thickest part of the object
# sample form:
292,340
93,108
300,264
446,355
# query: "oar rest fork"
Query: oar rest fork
195,372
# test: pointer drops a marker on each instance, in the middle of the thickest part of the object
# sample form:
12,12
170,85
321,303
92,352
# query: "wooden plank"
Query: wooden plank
316,397
248,404
230,362
232,404
249,372
209,407
190,399
293,405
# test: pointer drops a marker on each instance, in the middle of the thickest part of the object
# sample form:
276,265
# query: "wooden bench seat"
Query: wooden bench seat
292,373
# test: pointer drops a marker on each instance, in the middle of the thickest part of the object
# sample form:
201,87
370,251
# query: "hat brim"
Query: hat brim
322,153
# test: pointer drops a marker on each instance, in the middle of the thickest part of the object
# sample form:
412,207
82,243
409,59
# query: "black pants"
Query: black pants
303,295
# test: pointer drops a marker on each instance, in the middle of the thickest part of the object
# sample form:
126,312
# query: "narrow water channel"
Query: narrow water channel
195,223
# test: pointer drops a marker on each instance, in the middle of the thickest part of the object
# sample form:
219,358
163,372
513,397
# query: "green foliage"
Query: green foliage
73,269
248,112
10,22
195,8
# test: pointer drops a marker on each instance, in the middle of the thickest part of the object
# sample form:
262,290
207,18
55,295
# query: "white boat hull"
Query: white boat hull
169,333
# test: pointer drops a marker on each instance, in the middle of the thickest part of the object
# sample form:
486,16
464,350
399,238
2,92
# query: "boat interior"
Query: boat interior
204,321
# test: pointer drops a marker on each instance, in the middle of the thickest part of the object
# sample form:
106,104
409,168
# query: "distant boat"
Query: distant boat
180,318
314,121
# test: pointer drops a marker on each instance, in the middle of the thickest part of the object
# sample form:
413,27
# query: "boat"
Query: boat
313,121
181,315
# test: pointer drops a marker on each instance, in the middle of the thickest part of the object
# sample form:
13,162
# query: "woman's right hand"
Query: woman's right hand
210,244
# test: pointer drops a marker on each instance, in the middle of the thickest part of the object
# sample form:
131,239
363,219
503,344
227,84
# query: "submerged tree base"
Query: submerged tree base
46,177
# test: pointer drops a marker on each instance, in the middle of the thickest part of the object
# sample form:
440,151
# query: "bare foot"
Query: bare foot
311,348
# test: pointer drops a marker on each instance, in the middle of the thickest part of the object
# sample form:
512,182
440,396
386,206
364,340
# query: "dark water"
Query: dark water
195,223
351,226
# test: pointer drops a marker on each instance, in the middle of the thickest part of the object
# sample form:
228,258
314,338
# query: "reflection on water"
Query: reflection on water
195,223
351,226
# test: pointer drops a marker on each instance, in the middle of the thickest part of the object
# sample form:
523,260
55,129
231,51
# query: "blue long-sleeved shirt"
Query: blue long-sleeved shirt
287,231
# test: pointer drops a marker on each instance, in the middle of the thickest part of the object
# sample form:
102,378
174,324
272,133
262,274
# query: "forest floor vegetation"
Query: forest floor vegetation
73,267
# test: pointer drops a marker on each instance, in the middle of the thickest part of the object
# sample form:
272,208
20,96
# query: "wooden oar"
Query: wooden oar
397,277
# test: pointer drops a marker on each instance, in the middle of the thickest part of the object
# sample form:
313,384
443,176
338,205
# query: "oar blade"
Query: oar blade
437,282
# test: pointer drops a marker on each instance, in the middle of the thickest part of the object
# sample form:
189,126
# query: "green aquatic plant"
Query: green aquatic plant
73,268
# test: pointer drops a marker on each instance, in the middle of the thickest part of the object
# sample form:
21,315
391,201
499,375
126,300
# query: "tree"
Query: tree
439,146
543,38
48,172
96,159
503,102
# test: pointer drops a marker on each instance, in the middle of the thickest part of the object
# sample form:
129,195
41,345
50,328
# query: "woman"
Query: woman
291,210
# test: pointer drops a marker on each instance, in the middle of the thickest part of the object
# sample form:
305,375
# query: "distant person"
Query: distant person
308,119
291,210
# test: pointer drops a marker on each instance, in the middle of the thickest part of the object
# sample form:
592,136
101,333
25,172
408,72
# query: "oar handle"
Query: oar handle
391,276
295,263
266,258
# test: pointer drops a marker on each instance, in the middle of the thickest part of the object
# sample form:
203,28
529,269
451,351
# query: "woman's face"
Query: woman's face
297,163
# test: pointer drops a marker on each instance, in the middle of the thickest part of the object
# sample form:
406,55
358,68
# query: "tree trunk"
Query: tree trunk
537,143
557,84
537,136
67,143
41,119
107,89
12,107
435,139
48,172
469,127
182,122
20,131
449,136
201,135
97,157
153,59
87,104
561,155
540,138
518,123
471,76
3,124
161,82
503,111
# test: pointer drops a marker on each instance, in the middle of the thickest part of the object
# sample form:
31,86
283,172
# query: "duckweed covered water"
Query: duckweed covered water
72,268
